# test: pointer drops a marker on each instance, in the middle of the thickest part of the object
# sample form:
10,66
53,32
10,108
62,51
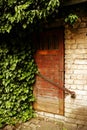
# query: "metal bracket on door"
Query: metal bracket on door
73,95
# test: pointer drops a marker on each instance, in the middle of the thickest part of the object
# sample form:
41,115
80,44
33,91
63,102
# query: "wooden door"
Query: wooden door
50,61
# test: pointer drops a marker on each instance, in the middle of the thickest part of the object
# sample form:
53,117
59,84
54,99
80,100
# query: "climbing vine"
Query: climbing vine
24,12
17,76
71,19
28,12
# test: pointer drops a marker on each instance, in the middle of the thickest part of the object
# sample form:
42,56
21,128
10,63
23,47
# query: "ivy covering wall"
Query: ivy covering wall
17,76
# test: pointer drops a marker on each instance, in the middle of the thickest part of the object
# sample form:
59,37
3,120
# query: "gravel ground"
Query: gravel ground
37,124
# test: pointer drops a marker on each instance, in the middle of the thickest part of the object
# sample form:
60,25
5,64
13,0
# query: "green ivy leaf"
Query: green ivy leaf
17,75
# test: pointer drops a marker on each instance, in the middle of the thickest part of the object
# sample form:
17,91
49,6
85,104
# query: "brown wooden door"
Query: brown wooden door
50,61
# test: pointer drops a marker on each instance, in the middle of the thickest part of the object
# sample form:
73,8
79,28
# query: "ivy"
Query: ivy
17,76
71,19
25,12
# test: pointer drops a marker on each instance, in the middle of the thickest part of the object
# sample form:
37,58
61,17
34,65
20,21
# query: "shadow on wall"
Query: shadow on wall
82,115
78,120
81,118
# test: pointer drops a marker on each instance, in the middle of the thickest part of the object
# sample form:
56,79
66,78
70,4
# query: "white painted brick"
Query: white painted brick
85,56
69,71
80,62
80,40
85,87
70,120
76,75
68,110
67,76
80,87
80,72
82,46
68,86
79,111
74,46
59,117
81,77
84,97
81,92
69,51
85,76
80,36
76,56
80,82
71,115
73,76
82,30
69,81
82,51
71,66
73,87
49,115
40,113
69,61
82,66
70,41
67,46
79,97
81,102
68,106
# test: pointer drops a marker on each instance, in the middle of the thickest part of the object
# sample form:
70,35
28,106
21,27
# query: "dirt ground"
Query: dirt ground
37,124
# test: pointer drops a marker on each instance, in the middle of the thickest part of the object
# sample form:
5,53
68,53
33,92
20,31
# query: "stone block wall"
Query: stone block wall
75,114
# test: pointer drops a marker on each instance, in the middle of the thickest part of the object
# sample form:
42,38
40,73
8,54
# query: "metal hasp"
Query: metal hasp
73,95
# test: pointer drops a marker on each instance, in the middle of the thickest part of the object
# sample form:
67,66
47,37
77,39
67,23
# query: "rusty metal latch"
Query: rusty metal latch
73,95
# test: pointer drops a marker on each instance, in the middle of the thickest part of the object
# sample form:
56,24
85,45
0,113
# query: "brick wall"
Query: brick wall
75,117
76,74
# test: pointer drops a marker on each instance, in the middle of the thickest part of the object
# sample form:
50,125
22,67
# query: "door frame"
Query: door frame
61,66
